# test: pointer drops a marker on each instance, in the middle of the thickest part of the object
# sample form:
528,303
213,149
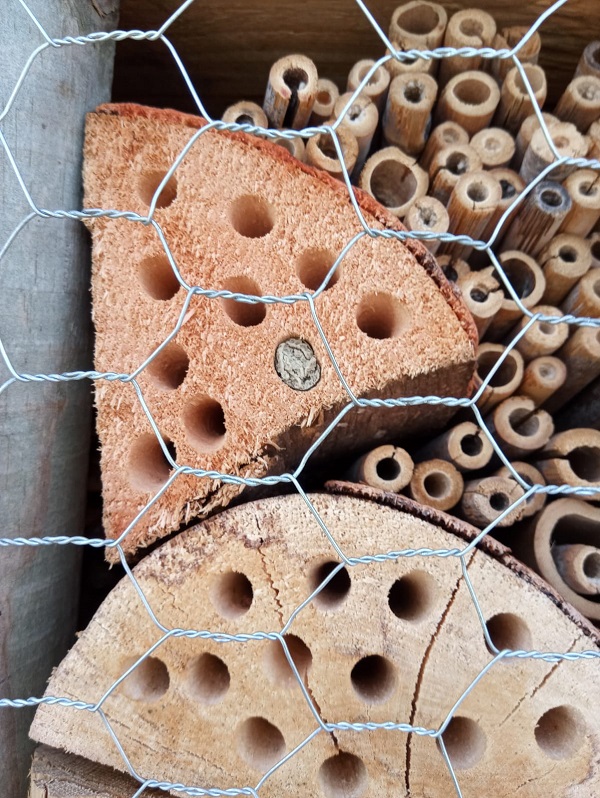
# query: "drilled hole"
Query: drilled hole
471,445
523,422
148,682
568,254
506,372
148,184
381,316
437,484
418,21
465,742
335,591
551,197
388,469
168,369
508,631
276,663
259,743
207,678
251,216
478,192
413,91
591,565
157,277
149,469
313,266
471,91
585,462
232,594
295,79
343,776
245,314
412,596
393,184
373,679
560,732
499,502
204,422
244,119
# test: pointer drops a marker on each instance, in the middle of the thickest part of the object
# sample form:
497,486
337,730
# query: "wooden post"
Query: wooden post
45,327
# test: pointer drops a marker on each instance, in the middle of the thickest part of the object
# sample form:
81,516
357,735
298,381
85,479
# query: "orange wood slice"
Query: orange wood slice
397,640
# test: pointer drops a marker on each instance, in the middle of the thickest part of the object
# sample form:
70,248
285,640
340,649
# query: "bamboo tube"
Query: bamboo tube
447,167
515,102
418,24
484,500
568,142
585,412
581,355
565,523
428,215
538,218
245,113
470,27
542,338
496,147
388,468
325,100
394,179
572,458
436,483
295,146
593,135
564,260
407,116
321,152
584,189
542,377
454,269
361,120
291,92
408,66
525,134
580,102
470,208
445,135
376,89
584,299
535,503
579,566
528,282
482,295
511,186
589,63
505,380
507,39
465,446
594,242
471,99
519,427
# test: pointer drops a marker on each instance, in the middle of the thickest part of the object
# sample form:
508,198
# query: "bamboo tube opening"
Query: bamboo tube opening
585,462
324,97
499,501
472,91
520,275
419,19
575,528
507,372
478,192
393,184
523,422
437,484
535,77
591,565
471,445
246,113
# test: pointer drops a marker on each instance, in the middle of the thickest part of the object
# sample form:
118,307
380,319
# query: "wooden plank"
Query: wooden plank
228,48
44,325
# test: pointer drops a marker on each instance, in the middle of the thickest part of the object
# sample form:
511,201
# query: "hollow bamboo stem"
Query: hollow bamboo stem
543,337
436,483
581,356
321,152
583,186
584,298
564,260
376,89
568,142
572,458
527,281
246,112
445,135
504,381
464,445
325,100
470,27
580,102
525,134
470,99
448,166
579,566
428,215
542,377
519,427
484,500
589,63
482,295
388,468
361,120
472,204
394,179
508,38
291,92
516,104
407,116
538,219
535,503
496,147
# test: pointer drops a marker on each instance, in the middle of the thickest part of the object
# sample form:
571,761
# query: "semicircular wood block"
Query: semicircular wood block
397,640
241,215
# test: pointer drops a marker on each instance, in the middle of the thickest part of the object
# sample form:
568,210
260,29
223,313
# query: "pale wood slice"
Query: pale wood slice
241,215
413,614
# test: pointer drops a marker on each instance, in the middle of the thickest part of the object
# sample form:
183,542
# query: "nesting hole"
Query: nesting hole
373,679
413,92
471,445
381,316
427,216
478,192
524,422
551,197
465,742
471,27
148,184
508,189
149,469
208,678
535,78
232,594
412,596
588,91
204,422
276,663
595,56
343,776
585,462
506,372
471,91
546,328
388,469
499,502
251,216
568,254
324,97
418,20
393,184
313,266
560,732
168,369
259,743
244,119
295,79
327,147
375,77
591,565
437,484
595,250
335,591
520,276
478,294
588,189
148,682
507,630
244,314
457,163
157,278
547,371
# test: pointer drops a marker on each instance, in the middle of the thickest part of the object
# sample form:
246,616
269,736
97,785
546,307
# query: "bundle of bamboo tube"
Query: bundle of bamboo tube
449,146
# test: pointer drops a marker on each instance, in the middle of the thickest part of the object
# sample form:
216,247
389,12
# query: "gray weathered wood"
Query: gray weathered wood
44,325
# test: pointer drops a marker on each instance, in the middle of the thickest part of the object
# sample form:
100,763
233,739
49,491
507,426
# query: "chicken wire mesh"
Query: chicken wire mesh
292,478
